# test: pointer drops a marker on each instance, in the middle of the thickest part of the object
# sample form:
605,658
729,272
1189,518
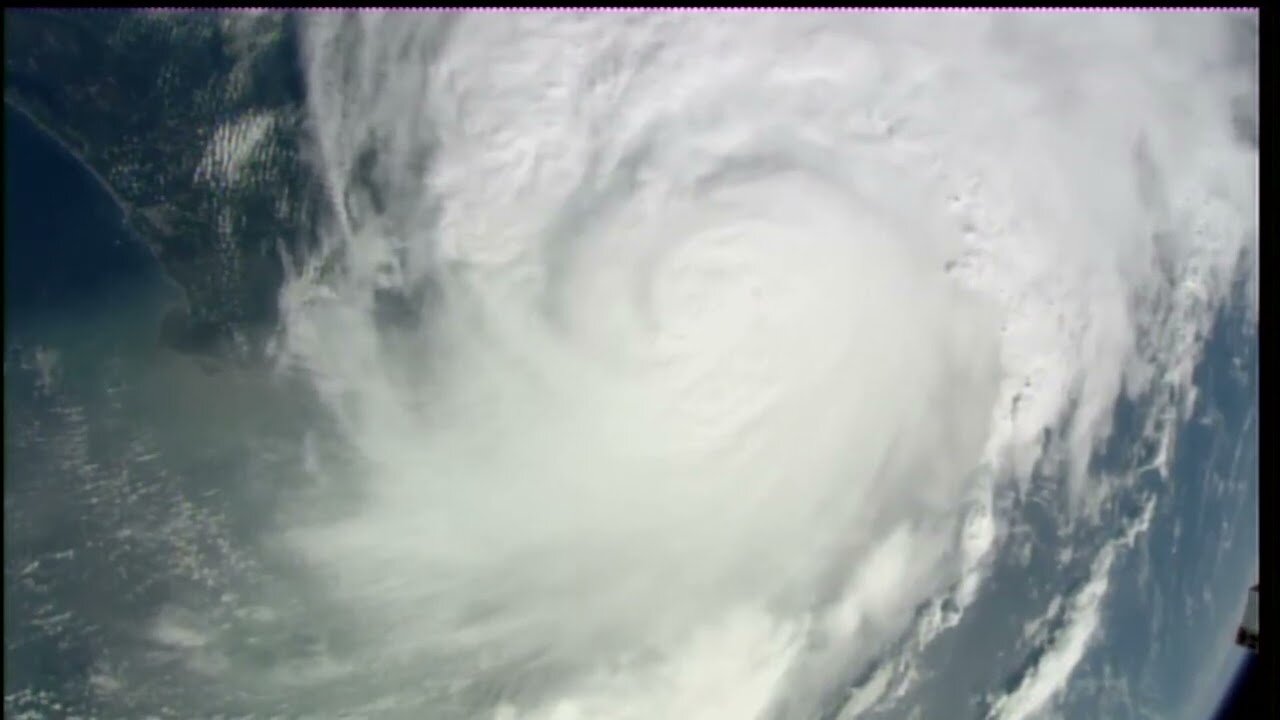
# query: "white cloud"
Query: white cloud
696,349
1054,668
232,148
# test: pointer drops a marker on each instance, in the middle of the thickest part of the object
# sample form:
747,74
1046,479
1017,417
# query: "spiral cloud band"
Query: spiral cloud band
715,334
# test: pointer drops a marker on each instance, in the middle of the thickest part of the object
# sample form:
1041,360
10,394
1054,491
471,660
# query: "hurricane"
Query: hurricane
689,365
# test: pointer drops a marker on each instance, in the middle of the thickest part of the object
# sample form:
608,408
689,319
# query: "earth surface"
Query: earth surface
550,365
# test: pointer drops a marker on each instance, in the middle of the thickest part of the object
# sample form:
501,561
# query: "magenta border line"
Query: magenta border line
700,10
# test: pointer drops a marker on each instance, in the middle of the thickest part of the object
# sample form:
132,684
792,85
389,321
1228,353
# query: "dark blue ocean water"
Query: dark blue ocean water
68,256
67,244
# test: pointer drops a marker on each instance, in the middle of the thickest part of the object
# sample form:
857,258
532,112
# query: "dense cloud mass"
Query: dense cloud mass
684,353
656,366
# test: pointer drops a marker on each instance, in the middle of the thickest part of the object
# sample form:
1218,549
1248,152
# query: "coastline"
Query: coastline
11,103
126,209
